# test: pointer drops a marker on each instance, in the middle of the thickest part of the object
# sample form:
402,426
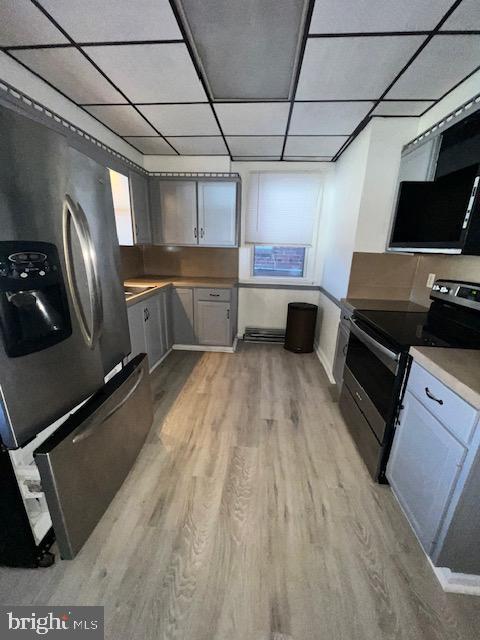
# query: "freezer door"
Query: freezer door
89,187
39,387
85,462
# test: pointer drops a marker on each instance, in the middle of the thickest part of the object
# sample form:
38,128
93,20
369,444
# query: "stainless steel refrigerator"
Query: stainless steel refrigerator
63,328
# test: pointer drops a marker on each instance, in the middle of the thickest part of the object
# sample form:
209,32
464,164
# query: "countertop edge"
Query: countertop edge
450,379
163,282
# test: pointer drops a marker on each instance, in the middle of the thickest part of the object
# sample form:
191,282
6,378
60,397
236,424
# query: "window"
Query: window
121,205
278,261
282,208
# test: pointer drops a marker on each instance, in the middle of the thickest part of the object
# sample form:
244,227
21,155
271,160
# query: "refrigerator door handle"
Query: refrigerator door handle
77,216
90,428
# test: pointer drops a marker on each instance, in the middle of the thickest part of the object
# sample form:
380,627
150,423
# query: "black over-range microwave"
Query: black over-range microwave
442,213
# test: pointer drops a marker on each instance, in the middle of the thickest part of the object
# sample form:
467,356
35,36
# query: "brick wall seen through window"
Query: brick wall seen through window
276,261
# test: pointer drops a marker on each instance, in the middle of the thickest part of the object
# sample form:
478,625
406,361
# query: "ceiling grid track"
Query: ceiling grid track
87,57
316,121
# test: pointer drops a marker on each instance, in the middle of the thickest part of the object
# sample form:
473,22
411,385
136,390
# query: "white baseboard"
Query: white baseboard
160,361
465,583
325,363
201,347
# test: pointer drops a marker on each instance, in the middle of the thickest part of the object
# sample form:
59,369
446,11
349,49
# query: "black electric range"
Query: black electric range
377,361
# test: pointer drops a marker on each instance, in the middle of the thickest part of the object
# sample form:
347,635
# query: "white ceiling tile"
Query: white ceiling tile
151,72
21,23
114,20
365,16
465,17
399,108
317,118
259,145
255,158
353,68
123,119
151,145
201,146
313,145
445,61
70,72
253,118
309,158
182,119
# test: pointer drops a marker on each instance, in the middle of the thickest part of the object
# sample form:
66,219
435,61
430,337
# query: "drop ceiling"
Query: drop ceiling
257,79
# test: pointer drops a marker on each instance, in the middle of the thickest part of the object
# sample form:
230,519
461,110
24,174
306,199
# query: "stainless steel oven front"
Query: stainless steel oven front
370,393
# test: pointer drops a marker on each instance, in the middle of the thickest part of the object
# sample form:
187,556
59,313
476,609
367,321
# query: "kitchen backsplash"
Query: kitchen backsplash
132,262
443,266
179,261
393,276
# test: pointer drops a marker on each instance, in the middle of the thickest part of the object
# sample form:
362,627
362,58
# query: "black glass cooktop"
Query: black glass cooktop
403,328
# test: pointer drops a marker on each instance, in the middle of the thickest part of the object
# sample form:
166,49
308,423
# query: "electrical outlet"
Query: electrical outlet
430,280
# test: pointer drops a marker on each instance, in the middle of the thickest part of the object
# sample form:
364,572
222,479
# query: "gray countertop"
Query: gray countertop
458,369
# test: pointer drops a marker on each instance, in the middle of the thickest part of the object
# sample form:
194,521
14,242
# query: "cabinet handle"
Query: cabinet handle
194,232
345,347
214,295
228,314
432,397
201,232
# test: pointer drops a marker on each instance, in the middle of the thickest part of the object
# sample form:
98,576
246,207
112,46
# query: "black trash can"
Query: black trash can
300,331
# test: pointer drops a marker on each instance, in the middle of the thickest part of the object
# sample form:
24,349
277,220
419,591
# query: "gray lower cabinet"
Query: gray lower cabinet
150,327
423,469
153,330
212,323
136,323
182,315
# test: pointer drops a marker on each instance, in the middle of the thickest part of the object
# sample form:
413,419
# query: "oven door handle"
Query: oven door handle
371,342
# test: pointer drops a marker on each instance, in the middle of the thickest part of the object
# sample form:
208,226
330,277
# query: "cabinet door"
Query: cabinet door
153,330
175,220
212,323
136,324
217,208
182,316
340,355
140,208
166,317
423,468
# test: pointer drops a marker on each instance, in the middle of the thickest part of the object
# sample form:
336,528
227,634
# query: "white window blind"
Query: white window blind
282,208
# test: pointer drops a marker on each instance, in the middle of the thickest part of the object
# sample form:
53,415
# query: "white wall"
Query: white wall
25,81
268,307
387,137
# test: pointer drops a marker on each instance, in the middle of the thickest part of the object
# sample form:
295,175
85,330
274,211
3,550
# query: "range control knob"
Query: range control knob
41,272
24,274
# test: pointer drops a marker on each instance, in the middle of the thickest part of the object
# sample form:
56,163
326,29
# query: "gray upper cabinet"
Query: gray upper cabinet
217,213
182,315
192,213
174,212
212,323
423,469
140,208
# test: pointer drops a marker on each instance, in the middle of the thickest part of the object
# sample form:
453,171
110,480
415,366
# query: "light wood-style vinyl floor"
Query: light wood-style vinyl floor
249,515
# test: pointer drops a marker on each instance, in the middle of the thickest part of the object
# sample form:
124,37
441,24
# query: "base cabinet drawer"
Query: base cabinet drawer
218,295
456,414
423,469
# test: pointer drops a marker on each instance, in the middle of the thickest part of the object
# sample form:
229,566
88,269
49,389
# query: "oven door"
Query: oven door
371,369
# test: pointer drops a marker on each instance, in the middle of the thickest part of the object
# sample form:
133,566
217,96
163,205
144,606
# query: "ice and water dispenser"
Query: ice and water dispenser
34,311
